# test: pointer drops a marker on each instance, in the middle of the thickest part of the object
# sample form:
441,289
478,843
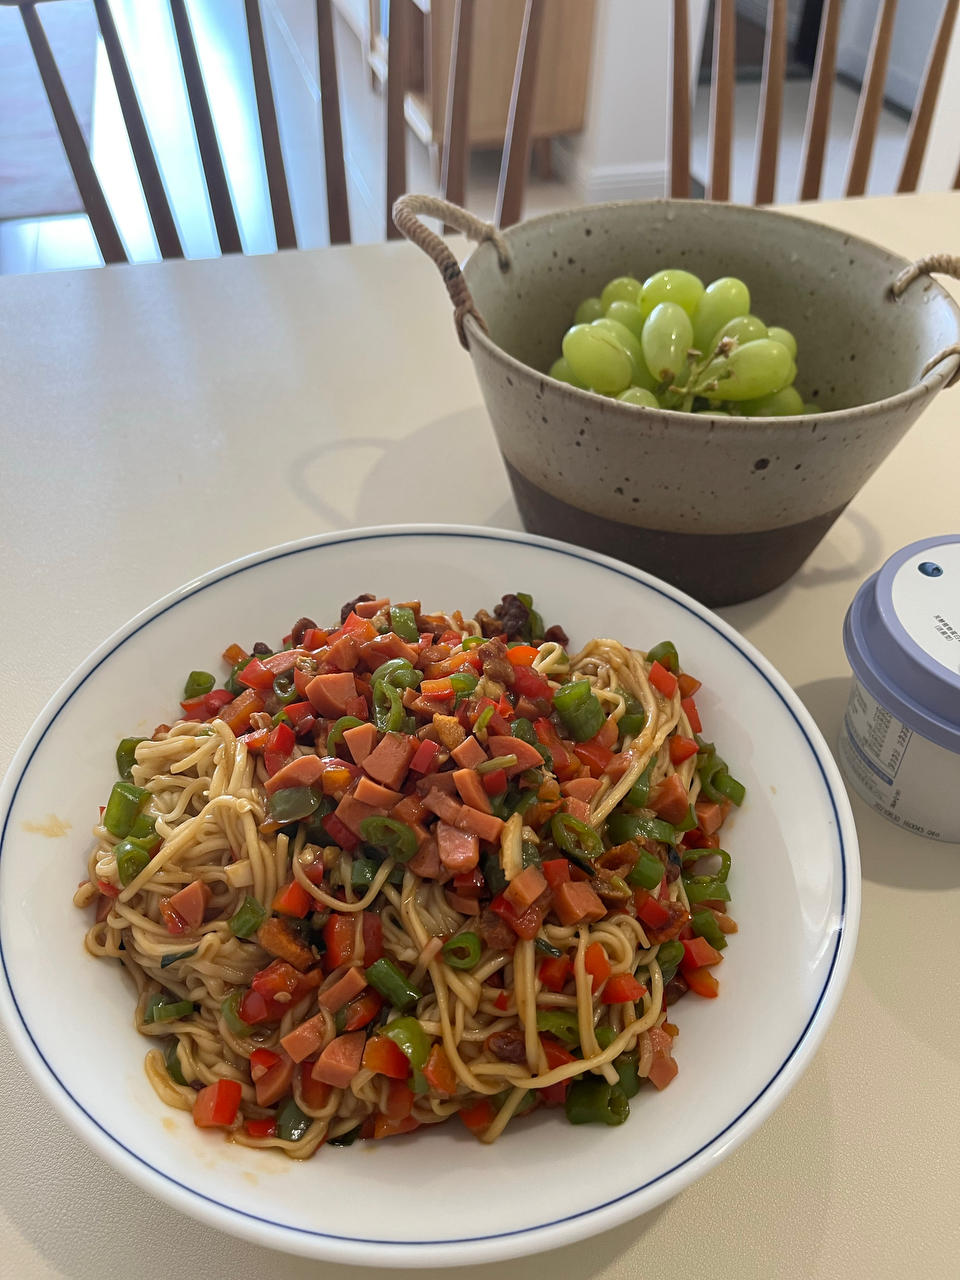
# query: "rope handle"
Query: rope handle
407,222
944,264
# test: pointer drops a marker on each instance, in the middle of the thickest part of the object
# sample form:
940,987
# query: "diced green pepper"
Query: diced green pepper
404,624
132,857
631,826
390,835
705,889
626,1068
198,683
409,1036
247,919
126,756
639,794
669,955
230,1011
293,803
335,736
647,871
173,956
590,1100
384,976
561,1023
705,925
172,1062
666,654
292,1123
575,838
605,1036
285,690
160,1009
463,951
579,708
124,804
362,872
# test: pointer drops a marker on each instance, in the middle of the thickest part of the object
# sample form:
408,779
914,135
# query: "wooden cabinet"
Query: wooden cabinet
562,74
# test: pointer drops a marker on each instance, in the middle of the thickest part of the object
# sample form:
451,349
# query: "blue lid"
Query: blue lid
902,637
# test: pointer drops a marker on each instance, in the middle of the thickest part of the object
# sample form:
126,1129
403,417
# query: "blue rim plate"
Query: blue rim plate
435,1198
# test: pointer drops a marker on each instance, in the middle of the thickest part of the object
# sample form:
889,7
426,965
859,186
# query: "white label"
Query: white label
902,775
926,599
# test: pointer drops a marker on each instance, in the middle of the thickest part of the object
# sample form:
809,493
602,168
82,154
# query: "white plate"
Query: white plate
437,1198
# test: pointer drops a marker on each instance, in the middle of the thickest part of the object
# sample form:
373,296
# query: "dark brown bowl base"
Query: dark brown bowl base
715,568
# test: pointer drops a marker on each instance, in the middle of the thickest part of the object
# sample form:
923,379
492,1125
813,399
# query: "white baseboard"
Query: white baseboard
597,184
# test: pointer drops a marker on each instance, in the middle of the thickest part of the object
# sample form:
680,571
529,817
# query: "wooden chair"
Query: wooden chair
515,164
818,110
211,159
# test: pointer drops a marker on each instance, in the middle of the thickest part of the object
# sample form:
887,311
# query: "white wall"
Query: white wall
913,32
621,153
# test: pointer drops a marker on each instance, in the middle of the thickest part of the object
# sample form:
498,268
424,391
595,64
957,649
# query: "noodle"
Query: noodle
468,901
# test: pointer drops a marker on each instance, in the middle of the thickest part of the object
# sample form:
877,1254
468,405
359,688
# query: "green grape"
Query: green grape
588,310
639,396
743,328
627,314
622,289
785,403
681,287
785,337
756,369
597,358
627,340
667,337
721,301
560,369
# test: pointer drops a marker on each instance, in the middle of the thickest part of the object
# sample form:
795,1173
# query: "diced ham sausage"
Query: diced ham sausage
330,693
360,740
459,850
389,760
527,757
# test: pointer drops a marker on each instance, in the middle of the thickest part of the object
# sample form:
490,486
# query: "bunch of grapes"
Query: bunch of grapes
670,343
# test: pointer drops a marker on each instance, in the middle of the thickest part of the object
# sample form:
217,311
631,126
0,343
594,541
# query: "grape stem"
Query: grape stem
698,366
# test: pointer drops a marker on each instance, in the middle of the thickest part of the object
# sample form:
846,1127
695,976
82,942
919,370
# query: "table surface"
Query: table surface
139,407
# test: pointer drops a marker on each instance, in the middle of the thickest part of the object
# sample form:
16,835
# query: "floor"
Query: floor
51,243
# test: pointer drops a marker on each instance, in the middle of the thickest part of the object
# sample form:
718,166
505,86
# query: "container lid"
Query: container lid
902,637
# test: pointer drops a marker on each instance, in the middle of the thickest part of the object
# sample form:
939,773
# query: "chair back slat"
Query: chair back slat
165,229
453,165
221,205
515,163
71,135
871,101
820,100
771,101
721,99
680,103
922,116
338,209
269,131
397,60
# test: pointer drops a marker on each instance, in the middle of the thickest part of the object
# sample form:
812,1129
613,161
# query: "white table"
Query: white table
160,420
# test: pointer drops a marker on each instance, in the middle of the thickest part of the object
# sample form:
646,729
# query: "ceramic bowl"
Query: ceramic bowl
725,508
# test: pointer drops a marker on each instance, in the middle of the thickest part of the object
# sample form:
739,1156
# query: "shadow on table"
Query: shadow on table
865,557
888,854
447,471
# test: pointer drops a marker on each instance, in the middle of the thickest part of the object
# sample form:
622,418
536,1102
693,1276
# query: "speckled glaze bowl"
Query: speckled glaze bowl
725,508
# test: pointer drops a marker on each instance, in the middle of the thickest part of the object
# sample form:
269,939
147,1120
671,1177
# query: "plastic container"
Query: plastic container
900,740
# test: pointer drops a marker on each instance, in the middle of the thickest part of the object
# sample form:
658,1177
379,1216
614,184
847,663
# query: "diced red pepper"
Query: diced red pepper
255,675
293,900
382,1056
621,988
557,1055
495,783
313,639
233,654
384,1127
339,933
216,1106
236,715
698,952
315,1093
594,756
681,749
525,924
478,1116
649,910
663,681
556,872
597,964
361,1012
424,756
688,686
702,983
216,699
172,918
438,1072
339,832
502,1001
690,710
554,972
264,1127
527,683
